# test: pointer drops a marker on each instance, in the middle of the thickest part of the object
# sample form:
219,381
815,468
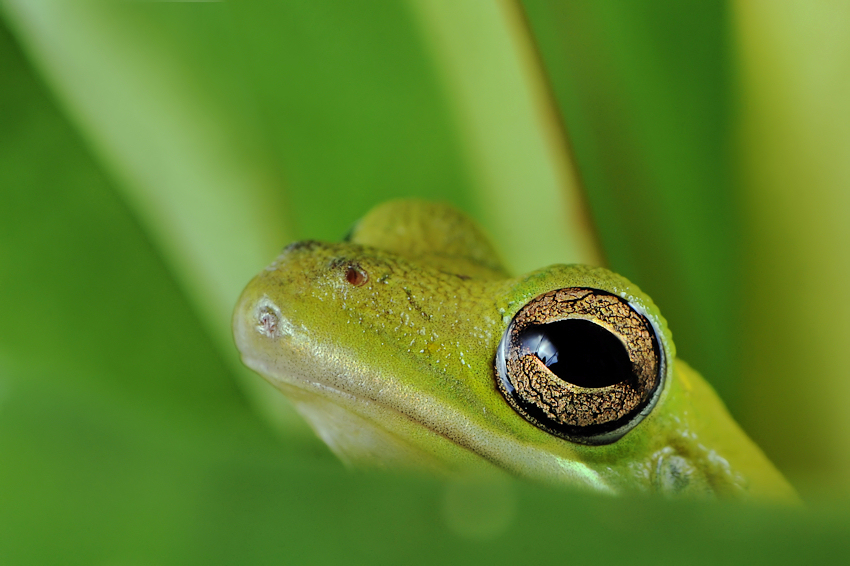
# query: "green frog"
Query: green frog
408,345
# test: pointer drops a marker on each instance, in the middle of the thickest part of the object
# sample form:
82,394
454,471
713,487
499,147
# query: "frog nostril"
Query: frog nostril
268,318
267,323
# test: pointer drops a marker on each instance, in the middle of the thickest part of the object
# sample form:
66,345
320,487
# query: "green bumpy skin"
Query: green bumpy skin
385,343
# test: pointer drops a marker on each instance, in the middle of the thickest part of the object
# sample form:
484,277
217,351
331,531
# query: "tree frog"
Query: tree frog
409,345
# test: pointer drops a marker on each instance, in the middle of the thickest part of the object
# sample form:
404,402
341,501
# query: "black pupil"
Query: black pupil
579,352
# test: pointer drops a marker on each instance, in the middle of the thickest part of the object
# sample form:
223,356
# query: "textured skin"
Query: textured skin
386,344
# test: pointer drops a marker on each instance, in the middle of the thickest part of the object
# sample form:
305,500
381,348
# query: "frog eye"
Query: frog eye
581,364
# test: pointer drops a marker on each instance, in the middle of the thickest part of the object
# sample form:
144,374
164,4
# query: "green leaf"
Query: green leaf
172,149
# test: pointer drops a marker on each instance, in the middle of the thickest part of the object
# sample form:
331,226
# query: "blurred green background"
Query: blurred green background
154,156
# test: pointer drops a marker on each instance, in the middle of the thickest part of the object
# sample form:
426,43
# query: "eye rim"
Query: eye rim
599,433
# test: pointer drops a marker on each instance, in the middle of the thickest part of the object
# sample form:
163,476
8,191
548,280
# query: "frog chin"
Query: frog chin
366,434
363,432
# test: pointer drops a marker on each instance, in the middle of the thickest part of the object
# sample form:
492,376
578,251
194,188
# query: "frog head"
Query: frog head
408,345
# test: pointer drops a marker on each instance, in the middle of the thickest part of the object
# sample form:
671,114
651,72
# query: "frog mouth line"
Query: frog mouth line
485,445
348,401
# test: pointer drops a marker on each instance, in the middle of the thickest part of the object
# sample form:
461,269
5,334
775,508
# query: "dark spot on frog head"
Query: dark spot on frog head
460,276
355,275
302,246
351,270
